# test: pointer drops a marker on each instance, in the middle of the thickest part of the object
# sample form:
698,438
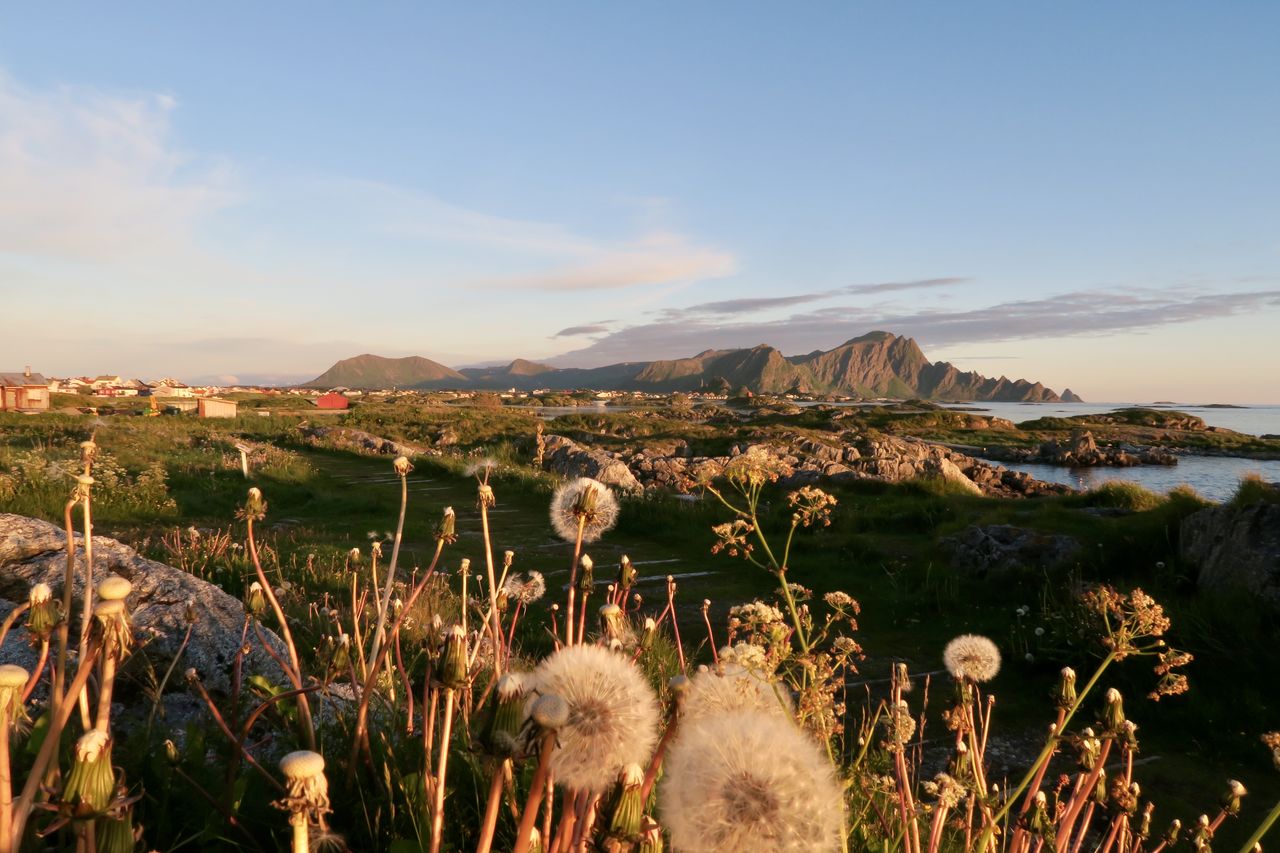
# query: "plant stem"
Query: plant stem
446,729
1262,829
385,601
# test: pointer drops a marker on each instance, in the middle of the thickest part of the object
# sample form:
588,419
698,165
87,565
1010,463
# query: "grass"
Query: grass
884,547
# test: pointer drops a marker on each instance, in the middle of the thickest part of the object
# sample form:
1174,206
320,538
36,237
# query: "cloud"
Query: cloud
87,176
1078,313
593,329
546,256
893,286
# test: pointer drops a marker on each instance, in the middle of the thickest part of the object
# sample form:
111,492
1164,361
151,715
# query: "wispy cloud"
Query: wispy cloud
87,176
591,329
1079,313
894,286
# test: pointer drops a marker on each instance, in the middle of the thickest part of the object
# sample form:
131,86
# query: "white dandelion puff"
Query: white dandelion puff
734,689
613,715
972,656
587,502
749,781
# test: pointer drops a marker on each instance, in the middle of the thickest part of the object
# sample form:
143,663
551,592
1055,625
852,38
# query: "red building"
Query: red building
24,392
332,400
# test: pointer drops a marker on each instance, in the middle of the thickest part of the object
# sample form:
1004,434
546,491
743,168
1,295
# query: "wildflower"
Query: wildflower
899,725
504,725
91,781
757,615
446,528
583,503
732,536
734,688
972,657
256,599
811,506
749,781
45,612
1066,693
841,601
628,808
452,672
13,679
306,792
613,715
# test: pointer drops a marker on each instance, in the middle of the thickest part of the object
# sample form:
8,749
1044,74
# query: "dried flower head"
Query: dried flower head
583,502
13,679
91,783
972,657
733,537
45,613
402,465
306,788
446,528
613,715
749,781
810,506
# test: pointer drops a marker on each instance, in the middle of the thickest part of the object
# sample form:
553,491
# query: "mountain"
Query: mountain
374,371
878,364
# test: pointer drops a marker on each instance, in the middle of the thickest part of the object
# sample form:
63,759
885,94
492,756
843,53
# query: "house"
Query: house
213,407
170,388
332,401
24,392
101,382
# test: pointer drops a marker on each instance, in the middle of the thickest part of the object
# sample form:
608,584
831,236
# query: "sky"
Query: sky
1085,195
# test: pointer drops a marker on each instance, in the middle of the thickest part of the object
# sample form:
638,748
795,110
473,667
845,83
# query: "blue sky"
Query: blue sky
1088,196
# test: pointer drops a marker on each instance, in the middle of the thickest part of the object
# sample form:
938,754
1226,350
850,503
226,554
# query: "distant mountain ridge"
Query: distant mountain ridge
877,364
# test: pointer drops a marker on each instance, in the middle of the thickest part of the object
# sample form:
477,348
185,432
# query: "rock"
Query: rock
1001,548
34,551
1235,548
943,468
566,457
346,438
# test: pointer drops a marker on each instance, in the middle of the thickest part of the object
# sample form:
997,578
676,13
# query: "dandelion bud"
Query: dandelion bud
611,621
586,576
628,808
650,631
402,466
508,557
1172,833
1144,827
45,613
191,614
626,572
255,507
446,527
453,659
1066,688
550,712
1114,715
191,675
508,711
113,620
353,556
92,781
255,600
171,753
1100,790
484,496
535,841
1231,799
13,679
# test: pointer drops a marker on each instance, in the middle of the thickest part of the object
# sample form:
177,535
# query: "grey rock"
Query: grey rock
1235,548
34,551
566,457
1002,548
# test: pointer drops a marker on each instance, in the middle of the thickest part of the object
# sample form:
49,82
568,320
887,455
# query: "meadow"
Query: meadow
840,654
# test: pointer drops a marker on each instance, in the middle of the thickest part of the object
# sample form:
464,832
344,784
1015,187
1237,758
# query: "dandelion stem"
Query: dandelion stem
385,601
530,814
446,730
573,581
1262,829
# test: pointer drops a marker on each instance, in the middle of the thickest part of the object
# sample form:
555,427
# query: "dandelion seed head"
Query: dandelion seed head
585,500
613,715
749,781
973,657
736,688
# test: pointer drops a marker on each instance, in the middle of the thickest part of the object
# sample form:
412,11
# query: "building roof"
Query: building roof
21,378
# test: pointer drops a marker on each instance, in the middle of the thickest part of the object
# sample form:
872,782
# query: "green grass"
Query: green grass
883,547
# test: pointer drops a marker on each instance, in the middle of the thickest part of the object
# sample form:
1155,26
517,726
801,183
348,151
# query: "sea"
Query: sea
1214,477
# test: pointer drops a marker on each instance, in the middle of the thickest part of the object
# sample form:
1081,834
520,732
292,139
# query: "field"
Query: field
158,477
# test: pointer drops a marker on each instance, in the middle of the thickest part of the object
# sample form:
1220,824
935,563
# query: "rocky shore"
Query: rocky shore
1083,451
669,464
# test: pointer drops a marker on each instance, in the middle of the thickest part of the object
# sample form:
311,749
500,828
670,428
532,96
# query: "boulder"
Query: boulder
566,457
34,551
943,468
1235,548
1002,548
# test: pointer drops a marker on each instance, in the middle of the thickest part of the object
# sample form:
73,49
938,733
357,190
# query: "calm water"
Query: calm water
1254,420
1214,477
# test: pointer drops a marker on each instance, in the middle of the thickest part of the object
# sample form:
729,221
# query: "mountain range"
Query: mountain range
878,364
